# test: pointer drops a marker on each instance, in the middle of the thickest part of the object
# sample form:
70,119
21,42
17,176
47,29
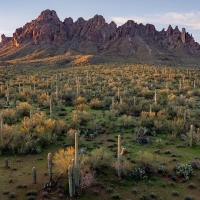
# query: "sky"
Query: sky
161,13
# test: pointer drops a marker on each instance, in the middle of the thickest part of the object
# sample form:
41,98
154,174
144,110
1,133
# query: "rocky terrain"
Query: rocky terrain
47,36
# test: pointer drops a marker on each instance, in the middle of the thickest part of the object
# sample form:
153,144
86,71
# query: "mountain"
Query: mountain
49,39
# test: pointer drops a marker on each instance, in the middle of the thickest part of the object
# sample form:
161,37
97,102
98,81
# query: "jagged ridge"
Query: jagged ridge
97,36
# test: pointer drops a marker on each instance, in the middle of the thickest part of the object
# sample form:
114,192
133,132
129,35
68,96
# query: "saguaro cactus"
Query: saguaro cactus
155,96
50,166
1,128
184,117
76,161
70,176
120,152
31,120
73,170
57,86
191,135
8,94
73,177
50,108
6,163
119,149
34,175
118,95
180,85
150,109
2,121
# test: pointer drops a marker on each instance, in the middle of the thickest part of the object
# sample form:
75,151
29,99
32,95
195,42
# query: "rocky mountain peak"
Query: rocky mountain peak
97,35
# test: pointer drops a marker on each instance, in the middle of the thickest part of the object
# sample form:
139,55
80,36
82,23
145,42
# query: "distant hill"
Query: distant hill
47,39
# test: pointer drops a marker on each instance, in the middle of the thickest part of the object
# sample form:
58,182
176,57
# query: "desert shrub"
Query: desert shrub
6,192
6,139
109,189
63,158
82,107
116,196
195,164
80,117
192,186
140,132
107,101
23,109
61,127
31,197
12,195
138,173
161,169
79,100
87,179
124,168
189,198
95,103
9,115
143,197
125,120
163,184
167,152
135,191
99,158
43,98
31,192
175,193
112,113
146,158
153,195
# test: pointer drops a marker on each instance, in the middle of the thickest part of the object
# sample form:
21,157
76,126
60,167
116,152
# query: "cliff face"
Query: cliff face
104,37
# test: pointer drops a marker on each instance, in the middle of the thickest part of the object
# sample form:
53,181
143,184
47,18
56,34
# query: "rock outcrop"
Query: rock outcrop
48,29
5,40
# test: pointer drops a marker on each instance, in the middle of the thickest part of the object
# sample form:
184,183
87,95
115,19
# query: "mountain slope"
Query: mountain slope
48,37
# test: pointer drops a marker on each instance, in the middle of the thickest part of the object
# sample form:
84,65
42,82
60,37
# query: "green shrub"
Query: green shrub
31,197
134,191
175,193
109,189
153,195
116,196
192,186
31,193
11,195
189,198
161,169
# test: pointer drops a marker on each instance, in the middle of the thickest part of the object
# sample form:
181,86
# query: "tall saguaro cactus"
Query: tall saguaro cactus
31,120
8,94
50,166
70,177
51,108
191,135
184,117
57,86
34,175
155,96
73,170
120,152
2,122
73,177
76,161
6,163
1,128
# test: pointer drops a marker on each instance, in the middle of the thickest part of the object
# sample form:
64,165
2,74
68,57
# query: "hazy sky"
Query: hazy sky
161,13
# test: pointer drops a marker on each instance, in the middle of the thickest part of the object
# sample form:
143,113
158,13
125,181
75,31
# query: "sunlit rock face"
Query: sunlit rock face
99,35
